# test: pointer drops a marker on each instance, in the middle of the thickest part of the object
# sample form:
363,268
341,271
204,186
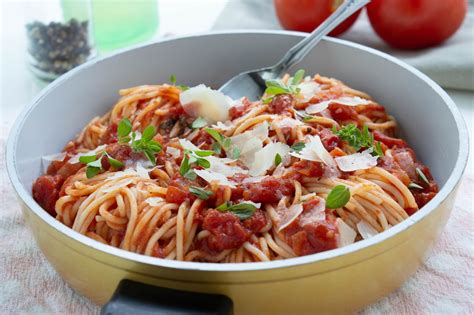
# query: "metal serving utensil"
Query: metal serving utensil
252,83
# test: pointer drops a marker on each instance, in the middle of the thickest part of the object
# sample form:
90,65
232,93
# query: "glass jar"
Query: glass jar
59,36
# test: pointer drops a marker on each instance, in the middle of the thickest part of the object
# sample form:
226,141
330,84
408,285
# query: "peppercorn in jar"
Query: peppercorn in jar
59,42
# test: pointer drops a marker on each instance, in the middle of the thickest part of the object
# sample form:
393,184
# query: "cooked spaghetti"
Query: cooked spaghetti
189,174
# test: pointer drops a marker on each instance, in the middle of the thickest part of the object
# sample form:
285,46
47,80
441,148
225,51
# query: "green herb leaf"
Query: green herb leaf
204,153
267,100
148,133
277,159
299,75
185,166
204,163
298,146
276,90
338,197
115,163
124,139
422,176
190,175
378,149
151,156
216,147
85,159
183,87
124,128
173,79
414,186
200,192
91,171
242,210
235,153
215,134
307,118
199,123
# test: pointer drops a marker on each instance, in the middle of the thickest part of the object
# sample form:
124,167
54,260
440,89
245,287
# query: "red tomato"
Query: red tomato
306,15
414,24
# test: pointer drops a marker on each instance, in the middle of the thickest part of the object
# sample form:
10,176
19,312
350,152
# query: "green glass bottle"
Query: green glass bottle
120,23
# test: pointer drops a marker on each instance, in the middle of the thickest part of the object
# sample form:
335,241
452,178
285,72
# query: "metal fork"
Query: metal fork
252,83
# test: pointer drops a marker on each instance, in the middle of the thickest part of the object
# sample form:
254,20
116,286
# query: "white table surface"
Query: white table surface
17,86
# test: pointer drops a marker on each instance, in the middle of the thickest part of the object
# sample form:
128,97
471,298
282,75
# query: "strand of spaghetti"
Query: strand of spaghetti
375,209
264,247
180,233
158,234
257,253
252,122
298,192
397,183
132,206
275,247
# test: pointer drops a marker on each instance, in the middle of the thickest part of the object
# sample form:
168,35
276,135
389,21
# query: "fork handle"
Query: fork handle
297,52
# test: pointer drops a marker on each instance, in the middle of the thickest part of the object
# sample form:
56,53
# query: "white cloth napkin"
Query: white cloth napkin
451,64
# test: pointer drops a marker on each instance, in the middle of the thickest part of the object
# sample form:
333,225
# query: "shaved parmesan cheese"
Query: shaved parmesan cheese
75,158
118,185
210,177
308,89
141,171
346,234
314,150
188,145
365,230
47,159
154,201
315,214
289,215
264,159
223,126
219,165
201,101
173,152
250,142
345,100
356,161
286,123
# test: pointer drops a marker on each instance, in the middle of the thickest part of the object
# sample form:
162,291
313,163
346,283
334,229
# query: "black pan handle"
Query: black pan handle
136,298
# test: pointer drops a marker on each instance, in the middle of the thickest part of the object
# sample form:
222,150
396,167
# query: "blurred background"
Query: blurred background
42,39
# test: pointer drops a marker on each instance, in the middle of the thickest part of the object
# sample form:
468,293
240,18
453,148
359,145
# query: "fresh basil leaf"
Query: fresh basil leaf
299,75
183,87
223,207
173,79
204,163
216,147
378,150
96,163
154,146
124,139
215,134
191,175
200,192
124,127
151,156
226,143
192,159
277,159
267,100
235,153
85,159
199,123
307,118
204,153
184,167
422,176
243,210
298,146
115,163
275,90
91,171
415,186
148,133
338,197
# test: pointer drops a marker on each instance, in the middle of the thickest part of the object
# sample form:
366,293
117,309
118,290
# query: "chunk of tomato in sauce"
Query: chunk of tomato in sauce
238,110
46,191
389,141
281,103
227,231
314,238
342,112
175,194
329,140
269,190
